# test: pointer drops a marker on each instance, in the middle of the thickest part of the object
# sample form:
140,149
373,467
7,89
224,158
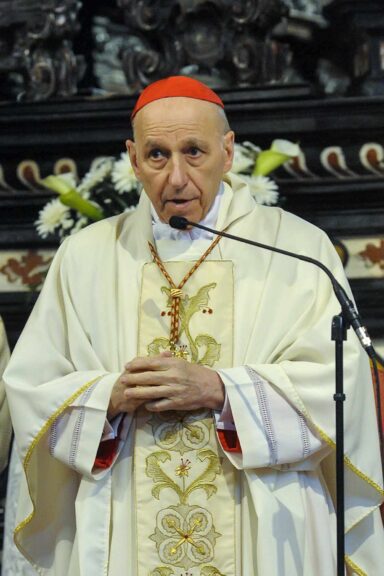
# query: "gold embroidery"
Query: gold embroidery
347,460
350,465
162,571
203,482
178,351
355,567
184,468
176,452
210,571
181,431
188,307
34,443
184,535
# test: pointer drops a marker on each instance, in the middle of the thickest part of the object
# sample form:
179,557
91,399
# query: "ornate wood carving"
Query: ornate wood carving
223,42
357,43
36,55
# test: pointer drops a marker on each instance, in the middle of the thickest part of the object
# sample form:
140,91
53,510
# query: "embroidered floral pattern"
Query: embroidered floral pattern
181,431
204,349
185,469
204,481
185,536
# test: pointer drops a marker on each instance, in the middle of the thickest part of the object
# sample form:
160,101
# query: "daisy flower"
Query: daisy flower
263,189
123,175
100,169
243,159
54,215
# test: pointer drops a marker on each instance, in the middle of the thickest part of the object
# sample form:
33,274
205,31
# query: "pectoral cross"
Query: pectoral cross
178,350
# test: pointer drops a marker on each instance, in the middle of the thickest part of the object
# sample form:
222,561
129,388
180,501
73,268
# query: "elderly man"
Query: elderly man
172,393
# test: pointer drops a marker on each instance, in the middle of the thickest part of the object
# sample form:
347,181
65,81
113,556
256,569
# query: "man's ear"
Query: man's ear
229,150
131,149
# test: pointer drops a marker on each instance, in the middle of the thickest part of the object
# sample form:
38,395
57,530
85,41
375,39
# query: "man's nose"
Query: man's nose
178,174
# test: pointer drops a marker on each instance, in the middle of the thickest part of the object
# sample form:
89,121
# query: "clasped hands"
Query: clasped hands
163,382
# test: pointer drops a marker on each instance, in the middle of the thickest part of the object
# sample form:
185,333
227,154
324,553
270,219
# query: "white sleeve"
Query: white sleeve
271,431
76,435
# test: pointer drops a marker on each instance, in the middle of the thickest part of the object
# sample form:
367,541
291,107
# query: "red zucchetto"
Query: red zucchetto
174,86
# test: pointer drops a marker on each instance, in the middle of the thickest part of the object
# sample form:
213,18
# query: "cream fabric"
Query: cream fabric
177,455
5,419
84,327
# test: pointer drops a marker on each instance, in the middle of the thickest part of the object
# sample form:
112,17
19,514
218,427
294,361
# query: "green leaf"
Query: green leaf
159,477
158,344
204,481
210,571
197,302
162,571
212,353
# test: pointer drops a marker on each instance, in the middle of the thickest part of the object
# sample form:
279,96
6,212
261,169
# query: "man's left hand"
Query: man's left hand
167,383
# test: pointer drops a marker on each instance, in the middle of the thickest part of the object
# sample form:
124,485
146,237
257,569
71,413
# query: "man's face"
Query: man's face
180,154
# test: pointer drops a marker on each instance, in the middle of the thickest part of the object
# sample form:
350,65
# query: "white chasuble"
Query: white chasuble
185,505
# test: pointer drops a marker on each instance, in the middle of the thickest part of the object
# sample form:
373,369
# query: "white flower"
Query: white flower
263,189
52,216
285,147
243,159
100,168
123,175
69,178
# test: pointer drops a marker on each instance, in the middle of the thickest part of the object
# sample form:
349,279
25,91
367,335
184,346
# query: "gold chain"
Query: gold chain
176,291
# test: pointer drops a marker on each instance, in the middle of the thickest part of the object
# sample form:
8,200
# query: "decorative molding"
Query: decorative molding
24,270
333,161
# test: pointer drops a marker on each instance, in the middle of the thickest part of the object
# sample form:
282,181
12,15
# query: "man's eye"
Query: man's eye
194,151
156,154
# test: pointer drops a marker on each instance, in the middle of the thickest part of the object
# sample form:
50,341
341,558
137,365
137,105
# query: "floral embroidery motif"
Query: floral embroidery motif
183,469
184,534
205,571
204,349
186,462
203,482
181,431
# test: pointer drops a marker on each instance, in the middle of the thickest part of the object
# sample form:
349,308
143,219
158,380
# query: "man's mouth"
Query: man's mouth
179,200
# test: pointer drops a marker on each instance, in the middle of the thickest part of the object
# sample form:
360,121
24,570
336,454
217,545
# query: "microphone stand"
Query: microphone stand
340,324
339,335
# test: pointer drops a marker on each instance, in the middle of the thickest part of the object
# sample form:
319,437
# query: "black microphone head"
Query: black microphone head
178,222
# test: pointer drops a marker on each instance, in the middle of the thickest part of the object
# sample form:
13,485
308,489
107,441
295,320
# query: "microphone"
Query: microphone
349,310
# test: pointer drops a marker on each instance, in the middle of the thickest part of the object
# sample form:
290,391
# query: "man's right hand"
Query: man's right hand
118,401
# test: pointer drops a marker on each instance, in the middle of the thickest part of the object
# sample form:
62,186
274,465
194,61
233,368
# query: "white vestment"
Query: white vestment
5,419
76,520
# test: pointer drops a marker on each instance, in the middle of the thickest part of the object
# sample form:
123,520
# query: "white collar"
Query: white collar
163,231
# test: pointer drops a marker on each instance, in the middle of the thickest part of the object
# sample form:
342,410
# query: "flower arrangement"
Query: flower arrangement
110,187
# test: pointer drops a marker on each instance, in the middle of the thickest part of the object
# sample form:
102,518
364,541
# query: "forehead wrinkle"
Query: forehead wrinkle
169,128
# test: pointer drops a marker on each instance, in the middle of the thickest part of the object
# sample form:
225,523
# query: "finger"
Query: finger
146,393
166,354
148,363
161,405
146,379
